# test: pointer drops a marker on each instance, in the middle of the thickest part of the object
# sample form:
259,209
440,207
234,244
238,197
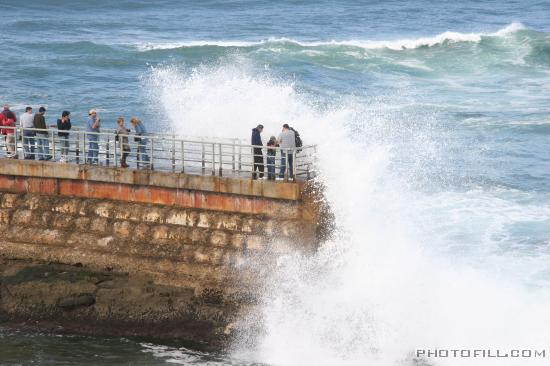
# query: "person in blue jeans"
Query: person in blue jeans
27,123
287,142
143,158
92,125
271,152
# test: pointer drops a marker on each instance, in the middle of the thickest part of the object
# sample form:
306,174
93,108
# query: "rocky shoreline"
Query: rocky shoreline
65,299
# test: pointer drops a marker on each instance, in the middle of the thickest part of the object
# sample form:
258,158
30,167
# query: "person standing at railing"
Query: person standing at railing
42,140
257,151
8,119
287,142
143,158
122,138
92,128
64,124
271,153
27,124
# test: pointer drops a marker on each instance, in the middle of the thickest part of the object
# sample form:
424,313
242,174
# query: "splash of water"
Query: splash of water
379,289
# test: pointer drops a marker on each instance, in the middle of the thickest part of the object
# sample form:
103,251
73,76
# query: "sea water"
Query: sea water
432,121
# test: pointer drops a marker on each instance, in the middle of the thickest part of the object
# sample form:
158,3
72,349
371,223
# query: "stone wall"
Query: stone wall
84,263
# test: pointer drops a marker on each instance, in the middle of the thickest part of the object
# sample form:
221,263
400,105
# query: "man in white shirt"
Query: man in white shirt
26,121
287,140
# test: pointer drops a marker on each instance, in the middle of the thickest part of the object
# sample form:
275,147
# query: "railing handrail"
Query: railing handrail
168,135
161,151
157,136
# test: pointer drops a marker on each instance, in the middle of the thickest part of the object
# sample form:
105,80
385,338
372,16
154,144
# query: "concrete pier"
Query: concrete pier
103,250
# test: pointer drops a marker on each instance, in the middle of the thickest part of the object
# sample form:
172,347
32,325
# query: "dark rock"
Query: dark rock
72,302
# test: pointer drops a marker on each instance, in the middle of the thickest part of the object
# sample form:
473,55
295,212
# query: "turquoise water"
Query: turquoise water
433,116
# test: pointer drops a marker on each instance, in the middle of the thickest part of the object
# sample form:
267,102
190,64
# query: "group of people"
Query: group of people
287,142
35,133
36,141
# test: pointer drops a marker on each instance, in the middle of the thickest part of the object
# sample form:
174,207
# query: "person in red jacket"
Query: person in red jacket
8,119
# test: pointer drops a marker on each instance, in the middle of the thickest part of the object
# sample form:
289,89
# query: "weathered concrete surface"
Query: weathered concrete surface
119,177
101,256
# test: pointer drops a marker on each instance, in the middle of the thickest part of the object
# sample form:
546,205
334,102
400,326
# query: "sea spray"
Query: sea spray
381,288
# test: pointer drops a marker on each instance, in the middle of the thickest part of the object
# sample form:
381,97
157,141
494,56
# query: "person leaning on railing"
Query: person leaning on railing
122,138
27,124
92,125
8,119
142,141
43,142
64,124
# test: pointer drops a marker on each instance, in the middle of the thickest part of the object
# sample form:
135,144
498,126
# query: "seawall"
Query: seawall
104,250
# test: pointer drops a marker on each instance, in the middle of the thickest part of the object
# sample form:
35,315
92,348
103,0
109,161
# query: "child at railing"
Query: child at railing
271,152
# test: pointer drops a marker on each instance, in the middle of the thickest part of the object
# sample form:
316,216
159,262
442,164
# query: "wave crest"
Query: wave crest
365,44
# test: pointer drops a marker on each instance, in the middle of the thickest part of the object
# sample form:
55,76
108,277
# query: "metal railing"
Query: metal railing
159,152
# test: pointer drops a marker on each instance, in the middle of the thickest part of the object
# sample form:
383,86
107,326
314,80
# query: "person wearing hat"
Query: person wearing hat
92,128
257,151
64,124
42,140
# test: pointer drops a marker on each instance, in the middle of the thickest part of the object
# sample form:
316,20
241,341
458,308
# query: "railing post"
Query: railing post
138,153
107,151
84,149
233,156
182,156
213,159
16,152
152,154
115,148
294,156
203,157
53,145
287,168
221,159
77,152
173,153
240,158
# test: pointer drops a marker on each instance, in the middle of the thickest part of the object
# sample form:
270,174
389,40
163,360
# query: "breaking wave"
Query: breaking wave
395,277
446,37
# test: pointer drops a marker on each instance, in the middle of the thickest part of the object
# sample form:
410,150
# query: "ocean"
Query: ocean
432,121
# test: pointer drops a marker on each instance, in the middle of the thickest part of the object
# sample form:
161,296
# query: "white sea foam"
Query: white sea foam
148,46
398,44
382,287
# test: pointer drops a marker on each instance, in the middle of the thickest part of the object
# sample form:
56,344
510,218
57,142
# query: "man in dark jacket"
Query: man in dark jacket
42,136
64,124
257,151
